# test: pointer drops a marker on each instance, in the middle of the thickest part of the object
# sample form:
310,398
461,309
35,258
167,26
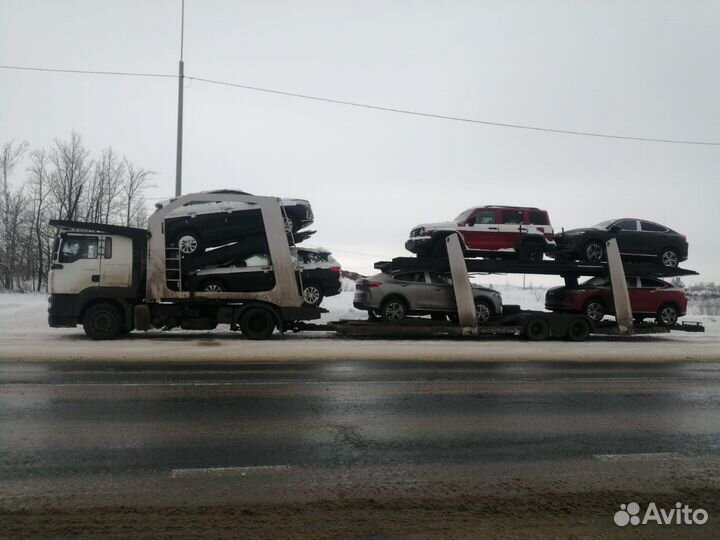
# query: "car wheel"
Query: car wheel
103,321
188,244
531,252
594,252
669,257
595,310
312,295
668,315
439,247
213,286
483,312
393,310
257,323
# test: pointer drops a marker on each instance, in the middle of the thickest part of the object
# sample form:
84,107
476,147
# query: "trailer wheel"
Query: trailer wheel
537,329
103,321
578,329
257,323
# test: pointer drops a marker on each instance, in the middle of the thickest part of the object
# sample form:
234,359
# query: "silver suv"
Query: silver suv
399,294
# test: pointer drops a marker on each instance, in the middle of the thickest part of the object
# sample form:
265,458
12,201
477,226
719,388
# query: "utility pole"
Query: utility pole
181,81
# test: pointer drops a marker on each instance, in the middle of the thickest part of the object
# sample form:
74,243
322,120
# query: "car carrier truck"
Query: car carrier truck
113,280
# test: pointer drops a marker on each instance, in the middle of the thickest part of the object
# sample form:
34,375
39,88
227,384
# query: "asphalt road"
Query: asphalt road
380,449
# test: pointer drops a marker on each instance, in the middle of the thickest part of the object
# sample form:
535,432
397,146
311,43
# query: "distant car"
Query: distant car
195,227
319,271
494,231
636,238
394,296
649,297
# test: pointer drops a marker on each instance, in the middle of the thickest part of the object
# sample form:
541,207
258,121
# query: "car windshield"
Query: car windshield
603,224
464,215
599,281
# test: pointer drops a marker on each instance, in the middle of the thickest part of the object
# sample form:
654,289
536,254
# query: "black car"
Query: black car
637,239
253,272
195,227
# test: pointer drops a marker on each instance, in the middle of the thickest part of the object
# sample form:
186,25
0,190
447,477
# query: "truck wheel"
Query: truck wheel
667,315
537,329
312,295
188,244
103,321
257,323
393,310
578,329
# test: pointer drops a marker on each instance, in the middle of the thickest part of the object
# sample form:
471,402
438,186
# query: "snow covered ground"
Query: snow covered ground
24,335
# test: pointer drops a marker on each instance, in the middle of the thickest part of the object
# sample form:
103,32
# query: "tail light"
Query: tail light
335,269
365,284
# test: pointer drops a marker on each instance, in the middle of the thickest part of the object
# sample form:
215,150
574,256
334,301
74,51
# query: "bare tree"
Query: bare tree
70,174
62,182
136,181
105,188
38,177
10,213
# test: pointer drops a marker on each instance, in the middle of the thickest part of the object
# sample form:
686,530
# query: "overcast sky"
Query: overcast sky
640,68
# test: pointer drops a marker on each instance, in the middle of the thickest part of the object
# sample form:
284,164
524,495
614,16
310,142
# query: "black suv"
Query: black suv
197,226
637,239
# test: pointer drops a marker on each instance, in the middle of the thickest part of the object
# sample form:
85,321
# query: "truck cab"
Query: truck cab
93,262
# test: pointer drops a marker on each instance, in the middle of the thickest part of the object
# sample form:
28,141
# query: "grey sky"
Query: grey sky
641,68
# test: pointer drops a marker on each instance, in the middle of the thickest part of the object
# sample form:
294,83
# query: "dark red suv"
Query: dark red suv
489,231
649,297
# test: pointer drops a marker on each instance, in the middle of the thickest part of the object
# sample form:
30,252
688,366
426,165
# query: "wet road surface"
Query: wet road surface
77,438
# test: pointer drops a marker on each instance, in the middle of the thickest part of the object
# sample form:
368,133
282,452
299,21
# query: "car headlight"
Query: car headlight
574,233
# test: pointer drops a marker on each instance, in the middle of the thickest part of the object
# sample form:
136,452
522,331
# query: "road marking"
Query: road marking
656,456
385,382
219,471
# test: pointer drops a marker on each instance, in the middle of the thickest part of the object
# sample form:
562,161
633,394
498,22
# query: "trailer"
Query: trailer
531,325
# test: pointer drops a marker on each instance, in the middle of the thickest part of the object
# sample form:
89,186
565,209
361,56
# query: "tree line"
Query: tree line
60,182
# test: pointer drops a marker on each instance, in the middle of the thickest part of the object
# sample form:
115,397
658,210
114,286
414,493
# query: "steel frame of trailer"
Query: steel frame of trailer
533,325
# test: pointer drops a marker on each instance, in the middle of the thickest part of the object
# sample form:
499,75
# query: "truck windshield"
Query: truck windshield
78,247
